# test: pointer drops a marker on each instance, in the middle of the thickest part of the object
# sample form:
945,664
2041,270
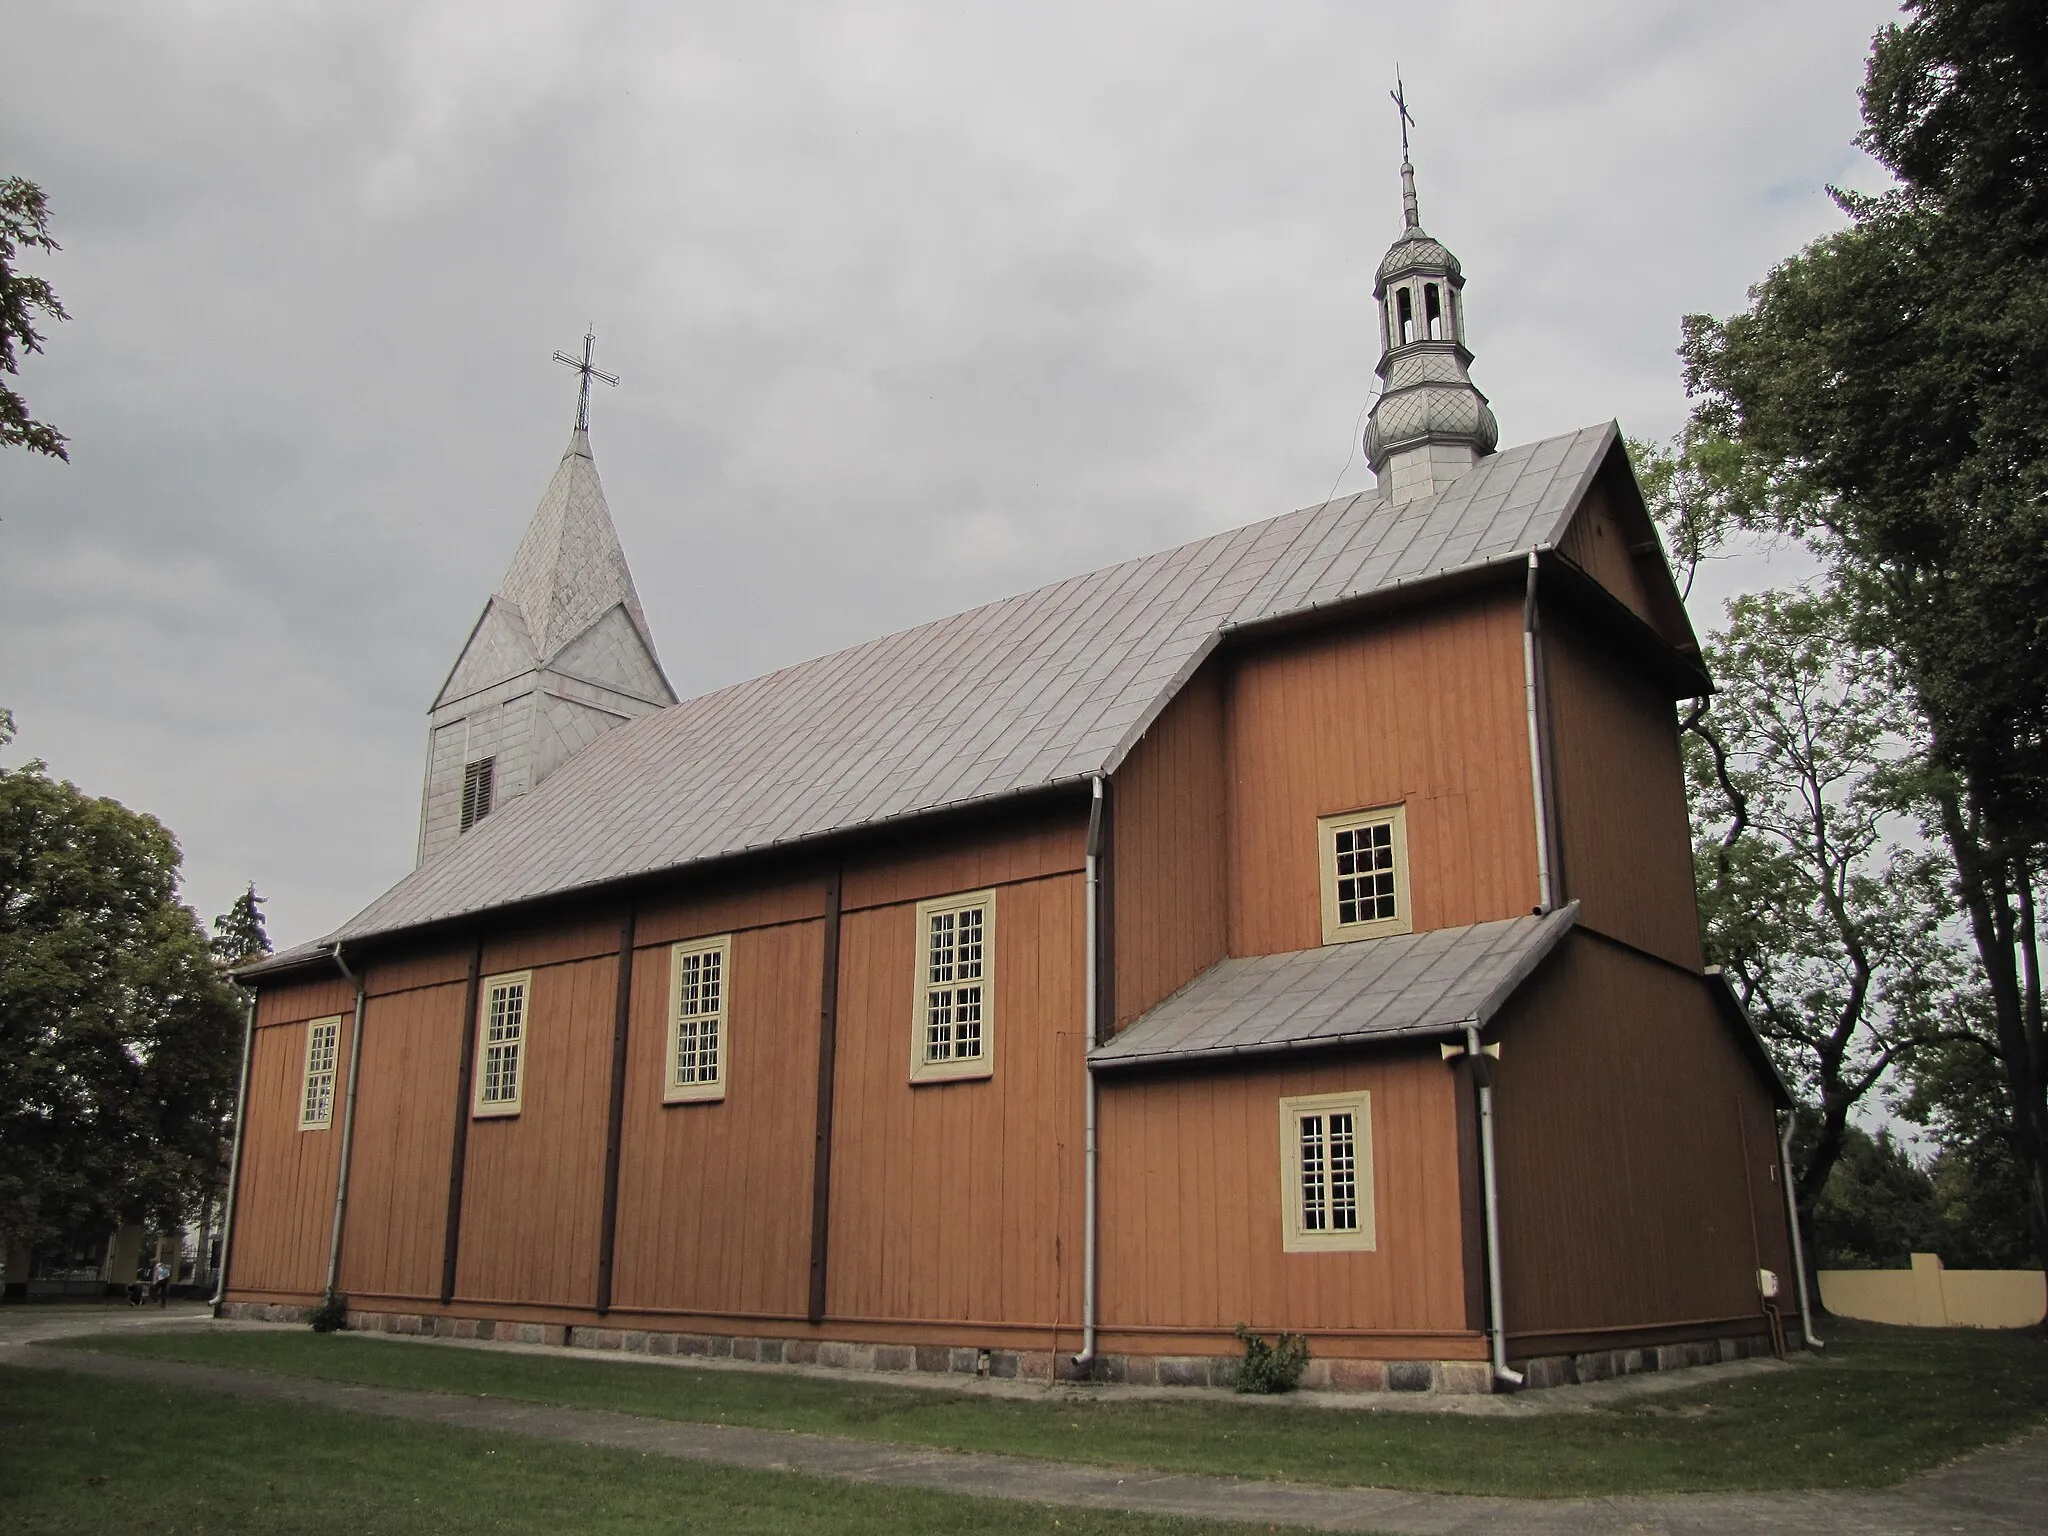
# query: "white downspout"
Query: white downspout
227,1216
348,1128
1792,1220
1091,995
1545,895
1491,1183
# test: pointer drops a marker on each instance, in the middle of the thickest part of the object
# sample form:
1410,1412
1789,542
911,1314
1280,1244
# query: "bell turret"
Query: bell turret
1430,423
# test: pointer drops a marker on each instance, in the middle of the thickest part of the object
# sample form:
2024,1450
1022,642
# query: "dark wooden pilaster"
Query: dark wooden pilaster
608,1224
1471,1193
1104,1021
451,1242
828,1048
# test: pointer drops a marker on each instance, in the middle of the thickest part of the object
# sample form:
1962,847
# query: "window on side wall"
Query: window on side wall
700,975
323,1048
953,1024
1326,1172
1364,859
502,1006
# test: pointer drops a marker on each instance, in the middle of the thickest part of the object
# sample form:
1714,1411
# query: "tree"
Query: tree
1879,1208
1890,384
1830,926
119,1039
24,224
238,933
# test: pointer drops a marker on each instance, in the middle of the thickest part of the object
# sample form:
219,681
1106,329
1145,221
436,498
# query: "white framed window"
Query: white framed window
1364,862
323,1048
953,1024
699,980
502,1005
1326,1172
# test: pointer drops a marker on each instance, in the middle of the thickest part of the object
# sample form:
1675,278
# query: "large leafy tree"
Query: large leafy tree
24,225
1830,923
1888,386
119,1037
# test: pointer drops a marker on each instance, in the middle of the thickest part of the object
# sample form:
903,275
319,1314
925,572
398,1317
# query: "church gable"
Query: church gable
612,654
498,649
1613,540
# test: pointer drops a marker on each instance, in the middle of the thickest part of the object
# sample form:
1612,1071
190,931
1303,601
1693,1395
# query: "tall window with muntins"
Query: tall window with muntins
323,1046
953,1031
700,975
479,779
501,1044
1364,859
1326,1172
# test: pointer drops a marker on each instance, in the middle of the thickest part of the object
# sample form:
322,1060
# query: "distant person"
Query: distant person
162,1288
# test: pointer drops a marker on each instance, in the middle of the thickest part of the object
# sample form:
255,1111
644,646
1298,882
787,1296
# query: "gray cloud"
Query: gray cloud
916,305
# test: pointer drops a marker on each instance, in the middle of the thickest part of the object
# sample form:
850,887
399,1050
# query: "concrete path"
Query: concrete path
2001,1490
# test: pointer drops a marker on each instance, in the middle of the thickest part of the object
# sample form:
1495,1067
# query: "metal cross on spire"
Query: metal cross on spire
1411,213
583,366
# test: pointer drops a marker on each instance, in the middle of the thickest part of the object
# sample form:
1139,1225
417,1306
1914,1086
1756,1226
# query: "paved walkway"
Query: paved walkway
2001,1490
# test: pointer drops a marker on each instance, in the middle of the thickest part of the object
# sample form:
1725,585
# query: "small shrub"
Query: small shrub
331,1316
1274,1367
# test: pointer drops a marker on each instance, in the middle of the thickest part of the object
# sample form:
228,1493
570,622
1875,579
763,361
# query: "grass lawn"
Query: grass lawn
1882,1404
86,1454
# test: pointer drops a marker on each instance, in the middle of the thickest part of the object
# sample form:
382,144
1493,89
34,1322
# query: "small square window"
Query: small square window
1364,863
1326,1172
700,976
953,1025
501,1043
323,1047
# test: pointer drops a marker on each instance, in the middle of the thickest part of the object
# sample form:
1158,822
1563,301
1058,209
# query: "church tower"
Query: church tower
560,654
1430,423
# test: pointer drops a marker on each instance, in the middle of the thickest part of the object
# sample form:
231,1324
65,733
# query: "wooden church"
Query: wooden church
1294,929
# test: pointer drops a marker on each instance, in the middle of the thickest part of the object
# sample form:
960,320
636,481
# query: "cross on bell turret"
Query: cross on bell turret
1430,423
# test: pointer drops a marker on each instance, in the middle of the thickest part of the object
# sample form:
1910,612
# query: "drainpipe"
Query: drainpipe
1491,1184
1092,991
227,1216
1539,789
1792,1221
348,1127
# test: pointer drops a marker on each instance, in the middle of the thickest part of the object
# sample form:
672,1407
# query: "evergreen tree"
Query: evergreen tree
238,934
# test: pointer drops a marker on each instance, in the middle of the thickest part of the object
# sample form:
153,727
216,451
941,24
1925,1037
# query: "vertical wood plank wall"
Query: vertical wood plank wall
1171,905
1598,543
285,1207
1425,708
714,1198
958,1203
1624,842
1637,1153
1191,1213
398,1177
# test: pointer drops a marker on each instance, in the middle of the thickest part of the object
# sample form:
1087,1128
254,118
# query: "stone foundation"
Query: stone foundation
1325,1375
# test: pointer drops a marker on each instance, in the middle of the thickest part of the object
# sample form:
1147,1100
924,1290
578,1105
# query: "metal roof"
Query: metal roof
1036,690
1342,994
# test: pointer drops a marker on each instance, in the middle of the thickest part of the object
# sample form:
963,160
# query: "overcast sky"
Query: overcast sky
916,305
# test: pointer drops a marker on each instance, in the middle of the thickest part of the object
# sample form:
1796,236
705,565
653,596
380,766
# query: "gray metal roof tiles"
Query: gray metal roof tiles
1042,688
1342,994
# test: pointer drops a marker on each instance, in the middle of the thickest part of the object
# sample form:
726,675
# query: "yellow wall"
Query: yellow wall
1929,1296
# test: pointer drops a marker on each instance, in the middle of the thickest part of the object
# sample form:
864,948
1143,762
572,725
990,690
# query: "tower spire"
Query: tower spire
583,366
1430,423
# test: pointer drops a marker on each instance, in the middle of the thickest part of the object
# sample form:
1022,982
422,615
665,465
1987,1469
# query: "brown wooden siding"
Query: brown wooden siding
1191,1214
1598,542
1625,849
1427,709
1638,1179
398,1175
583,933
1171,906
715,1198
698,913
284,1211
533,1182
968,860
961,1200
